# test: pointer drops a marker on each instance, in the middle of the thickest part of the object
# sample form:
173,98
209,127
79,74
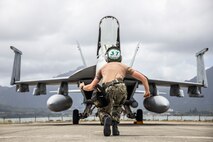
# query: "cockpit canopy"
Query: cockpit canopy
108,34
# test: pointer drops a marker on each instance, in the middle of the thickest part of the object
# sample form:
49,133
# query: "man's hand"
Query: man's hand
81,85
147,94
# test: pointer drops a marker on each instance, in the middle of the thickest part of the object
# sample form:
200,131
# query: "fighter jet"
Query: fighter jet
109,35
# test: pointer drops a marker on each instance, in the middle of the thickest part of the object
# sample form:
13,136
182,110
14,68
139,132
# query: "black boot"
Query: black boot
107,124
115,130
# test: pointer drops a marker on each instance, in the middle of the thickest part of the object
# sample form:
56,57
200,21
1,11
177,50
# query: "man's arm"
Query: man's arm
91,86
143,79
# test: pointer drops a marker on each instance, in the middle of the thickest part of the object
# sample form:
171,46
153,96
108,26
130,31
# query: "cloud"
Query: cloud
46,31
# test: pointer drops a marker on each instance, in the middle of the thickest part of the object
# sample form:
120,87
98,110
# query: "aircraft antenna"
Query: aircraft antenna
136,50
82,57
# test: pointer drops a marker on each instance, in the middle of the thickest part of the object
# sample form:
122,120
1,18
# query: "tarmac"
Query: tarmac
155,131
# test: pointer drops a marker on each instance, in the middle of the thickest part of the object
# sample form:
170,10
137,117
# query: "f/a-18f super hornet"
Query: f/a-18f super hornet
108,36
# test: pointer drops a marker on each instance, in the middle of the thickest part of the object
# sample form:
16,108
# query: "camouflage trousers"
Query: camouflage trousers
116,95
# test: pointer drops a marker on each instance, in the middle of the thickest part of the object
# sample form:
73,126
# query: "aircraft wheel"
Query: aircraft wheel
75,117
139,115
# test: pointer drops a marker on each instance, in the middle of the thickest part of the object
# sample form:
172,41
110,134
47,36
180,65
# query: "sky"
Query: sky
46,31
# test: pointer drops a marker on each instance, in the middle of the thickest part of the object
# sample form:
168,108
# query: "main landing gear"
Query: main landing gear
139,117
75,116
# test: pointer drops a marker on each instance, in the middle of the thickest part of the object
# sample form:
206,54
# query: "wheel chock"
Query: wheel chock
138,122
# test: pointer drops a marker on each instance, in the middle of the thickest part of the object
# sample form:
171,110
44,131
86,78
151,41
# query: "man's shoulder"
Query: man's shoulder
124,65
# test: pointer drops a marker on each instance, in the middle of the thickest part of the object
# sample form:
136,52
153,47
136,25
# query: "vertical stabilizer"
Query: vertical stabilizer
16,66
201,72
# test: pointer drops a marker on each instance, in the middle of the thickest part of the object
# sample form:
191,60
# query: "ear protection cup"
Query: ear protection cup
106,57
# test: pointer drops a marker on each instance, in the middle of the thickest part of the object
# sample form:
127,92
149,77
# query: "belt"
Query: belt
113,82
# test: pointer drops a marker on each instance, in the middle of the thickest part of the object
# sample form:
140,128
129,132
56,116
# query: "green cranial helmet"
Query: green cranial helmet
113,54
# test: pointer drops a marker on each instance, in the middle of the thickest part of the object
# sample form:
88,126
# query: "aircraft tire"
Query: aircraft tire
75,116
139,115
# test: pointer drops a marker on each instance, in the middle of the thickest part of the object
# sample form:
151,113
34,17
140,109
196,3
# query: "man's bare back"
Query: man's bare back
112,71
116,70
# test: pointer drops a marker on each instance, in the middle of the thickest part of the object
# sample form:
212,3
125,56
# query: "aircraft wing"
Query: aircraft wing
194,88
86,75
50,81
83,74
169,83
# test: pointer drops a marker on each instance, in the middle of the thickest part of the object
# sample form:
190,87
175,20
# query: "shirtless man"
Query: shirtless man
112,75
